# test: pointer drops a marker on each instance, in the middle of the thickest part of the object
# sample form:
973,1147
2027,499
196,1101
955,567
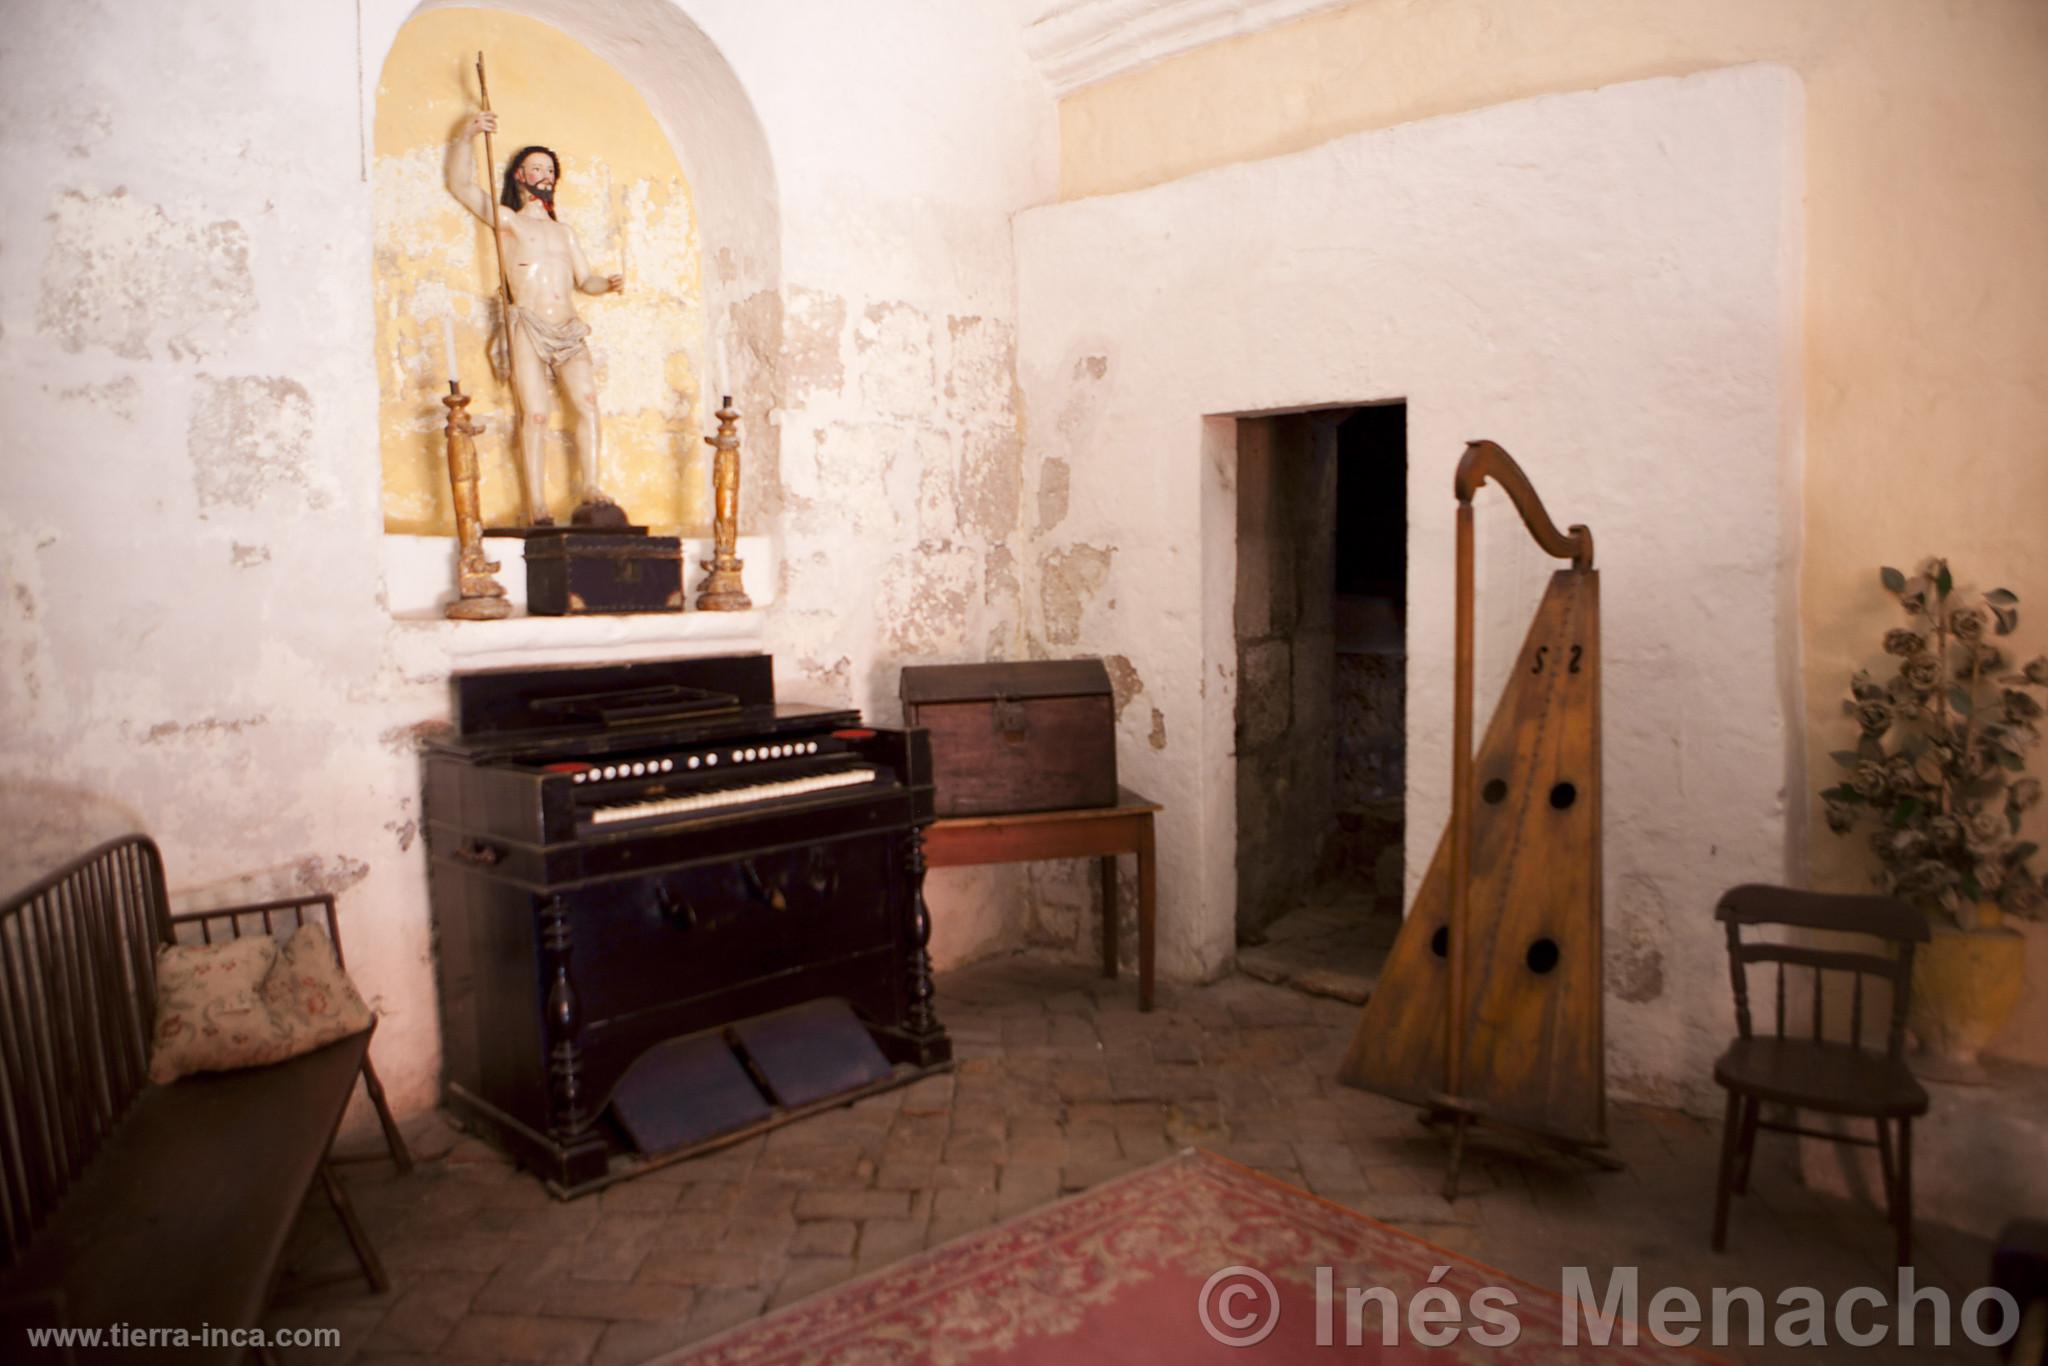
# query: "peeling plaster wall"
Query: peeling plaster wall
193,623
1604,282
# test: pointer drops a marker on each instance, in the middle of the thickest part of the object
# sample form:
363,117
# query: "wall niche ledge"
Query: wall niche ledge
419,577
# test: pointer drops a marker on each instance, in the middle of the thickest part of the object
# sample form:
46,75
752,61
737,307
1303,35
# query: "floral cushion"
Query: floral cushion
309,995
210,1013
250,1001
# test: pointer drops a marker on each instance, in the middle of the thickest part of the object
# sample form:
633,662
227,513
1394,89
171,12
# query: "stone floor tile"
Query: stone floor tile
928,1093
902,1175
522,1337
612,1254
850,1203
963,1204
629,1342
1024,1185
429,1255
807,1276
719,1269
1048,1149
974,1149
765,1233
824,1238
630,1197
941,1231
1080,1176
423,1316
639,1301
551,1224
883,1241
723,1307
694,1229
1088,1143
972,1176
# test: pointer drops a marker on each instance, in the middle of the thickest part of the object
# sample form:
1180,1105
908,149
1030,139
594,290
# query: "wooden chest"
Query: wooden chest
575,571
1037,736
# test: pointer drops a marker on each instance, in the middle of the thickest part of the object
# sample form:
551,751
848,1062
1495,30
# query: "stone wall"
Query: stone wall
1286,658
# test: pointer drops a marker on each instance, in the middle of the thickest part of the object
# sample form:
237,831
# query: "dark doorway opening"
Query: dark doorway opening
1321,605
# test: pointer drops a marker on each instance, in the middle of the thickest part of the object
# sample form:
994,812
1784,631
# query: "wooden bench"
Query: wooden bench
124,1202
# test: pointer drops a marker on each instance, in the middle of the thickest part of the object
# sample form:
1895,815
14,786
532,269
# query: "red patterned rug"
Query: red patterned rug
1182,1262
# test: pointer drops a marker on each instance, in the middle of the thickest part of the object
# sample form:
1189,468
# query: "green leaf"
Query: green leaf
1943,582
1845,794
2003,597
2022,851
2013,762
1845,757
1892,578
2012,819
1959,698
1970,888
1907,808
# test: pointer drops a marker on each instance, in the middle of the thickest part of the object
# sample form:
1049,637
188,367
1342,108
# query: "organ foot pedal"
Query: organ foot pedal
692,1094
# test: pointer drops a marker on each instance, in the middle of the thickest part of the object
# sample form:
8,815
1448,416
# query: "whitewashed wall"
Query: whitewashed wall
194,622
1606,284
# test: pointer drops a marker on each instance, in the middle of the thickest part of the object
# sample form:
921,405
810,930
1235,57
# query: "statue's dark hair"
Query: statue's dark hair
510,198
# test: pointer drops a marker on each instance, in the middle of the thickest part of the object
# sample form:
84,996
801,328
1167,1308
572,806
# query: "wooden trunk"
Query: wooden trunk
574,572
1037,736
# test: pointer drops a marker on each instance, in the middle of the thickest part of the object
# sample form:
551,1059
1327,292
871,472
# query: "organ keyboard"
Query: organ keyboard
745,794
627,859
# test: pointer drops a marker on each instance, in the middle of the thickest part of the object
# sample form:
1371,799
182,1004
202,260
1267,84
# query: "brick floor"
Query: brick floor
1060,1084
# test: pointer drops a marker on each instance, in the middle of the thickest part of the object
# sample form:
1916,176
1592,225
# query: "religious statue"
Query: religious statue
540,262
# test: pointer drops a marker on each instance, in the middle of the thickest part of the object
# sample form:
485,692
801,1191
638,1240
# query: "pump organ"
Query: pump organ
628,856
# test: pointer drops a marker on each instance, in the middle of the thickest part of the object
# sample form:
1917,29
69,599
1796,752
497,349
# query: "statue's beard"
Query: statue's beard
546,195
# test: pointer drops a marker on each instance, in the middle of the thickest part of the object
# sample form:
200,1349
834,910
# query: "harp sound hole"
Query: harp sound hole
1495,792
1542,956
1563,795
1440,942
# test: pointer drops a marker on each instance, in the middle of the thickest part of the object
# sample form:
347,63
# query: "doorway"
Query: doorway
1320,619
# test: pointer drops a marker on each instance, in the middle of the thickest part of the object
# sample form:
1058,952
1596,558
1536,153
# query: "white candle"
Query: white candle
724,374
448,339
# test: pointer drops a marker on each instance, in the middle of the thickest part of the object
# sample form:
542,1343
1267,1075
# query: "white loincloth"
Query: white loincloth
555,343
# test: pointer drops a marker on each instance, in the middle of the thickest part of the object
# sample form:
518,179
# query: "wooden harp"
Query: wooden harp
1489,1006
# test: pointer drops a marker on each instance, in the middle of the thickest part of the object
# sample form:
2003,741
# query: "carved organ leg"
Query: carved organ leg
567,1118
928,1040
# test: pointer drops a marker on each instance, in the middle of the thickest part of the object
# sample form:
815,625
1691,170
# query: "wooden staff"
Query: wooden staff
491,190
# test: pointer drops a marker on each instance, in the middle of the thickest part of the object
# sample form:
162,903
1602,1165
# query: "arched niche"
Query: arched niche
681,81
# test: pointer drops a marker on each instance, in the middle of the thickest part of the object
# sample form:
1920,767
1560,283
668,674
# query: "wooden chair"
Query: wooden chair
1814,1073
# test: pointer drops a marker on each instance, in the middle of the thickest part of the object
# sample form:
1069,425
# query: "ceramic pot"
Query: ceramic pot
1966,984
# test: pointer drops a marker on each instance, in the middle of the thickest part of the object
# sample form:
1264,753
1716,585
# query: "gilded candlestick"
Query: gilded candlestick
479,597
720,590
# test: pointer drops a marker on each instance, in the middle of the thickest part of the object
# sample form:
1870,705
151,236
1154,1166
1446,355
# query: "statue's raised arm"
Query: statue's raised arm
462,181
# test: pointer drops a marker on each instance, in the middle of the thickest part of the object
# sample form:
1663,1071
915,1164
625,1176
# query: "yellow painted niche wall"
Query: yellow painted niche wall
1926,307
621,191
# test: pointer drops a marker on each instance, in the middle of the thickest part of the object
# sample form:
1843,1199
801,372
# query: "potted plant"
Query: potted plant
1938,777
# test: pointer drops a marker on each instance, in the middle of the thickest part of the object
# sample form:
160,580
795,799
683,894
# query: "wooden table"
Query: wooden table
1082,832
